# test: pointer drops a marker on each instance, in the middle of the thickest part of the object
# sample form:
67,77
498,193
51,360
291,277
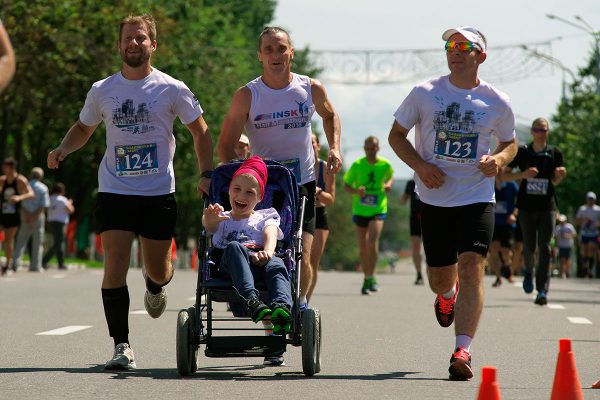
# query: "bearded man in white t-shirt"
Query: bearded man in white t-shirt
455,117
136,179
276,110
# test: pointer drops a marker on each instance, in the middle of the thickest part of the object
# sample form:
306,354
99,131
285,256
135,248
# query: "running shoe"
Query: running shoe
257,310
373,285
281,319
274,361
155,304
4,270
444,309
541,298
419,280
365,287
460,365
527,282
497,283
122,359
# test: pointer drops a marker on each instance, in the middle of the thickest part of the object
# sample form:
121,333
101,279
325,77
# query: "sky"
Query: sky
401,25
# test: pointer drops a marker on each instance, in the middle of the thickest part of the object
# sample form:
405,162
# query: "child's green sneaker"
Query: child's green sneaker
281,319
365,287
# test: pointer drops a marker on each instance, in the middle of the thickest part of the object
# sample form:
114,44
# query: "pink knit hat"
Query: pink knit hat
256,167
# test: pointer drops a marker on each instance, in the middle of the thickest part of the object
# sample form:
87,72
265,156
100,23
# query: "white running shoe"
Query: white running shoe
122,359
155,303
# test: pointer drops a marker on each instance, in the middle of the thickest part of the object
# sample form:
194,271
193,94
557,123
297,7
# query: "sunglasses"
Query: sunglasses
539,130
464,47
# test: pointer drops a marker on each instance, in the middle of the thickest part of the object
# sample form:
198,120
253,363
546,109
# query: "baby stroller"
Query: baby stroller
197,324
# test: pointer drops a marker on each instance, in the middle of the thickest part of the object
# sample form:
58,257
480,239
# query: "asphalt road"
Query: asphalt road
383,346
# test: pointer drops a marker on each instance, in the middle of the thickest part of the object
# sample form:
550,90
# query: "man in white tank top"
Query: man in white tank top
136,179
455,117
276,109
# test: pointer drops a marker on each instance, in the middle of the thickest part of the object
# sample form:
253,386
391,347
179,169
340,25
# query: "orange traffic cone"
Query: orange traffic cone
566,380
489,389
596,385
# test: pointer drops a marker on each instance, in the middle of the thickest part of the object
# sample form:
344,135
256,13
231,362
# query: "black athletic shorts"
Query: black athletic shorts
321,219
503,234
10,220
450,231
310,190
415,225
152,217
363,222
564,252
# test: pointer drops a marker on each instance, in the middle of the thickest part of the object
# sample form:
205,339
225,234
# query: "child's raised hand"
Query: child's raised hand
261,258
212,214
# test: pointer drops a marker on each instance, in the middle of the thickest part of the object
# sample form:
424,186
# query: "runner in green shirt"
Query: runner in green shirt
368,180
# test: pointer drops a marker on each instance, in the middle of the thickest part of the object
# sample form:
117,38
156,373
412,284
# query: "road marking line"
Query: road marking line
138,312
579,320
192,298
65,330
554,306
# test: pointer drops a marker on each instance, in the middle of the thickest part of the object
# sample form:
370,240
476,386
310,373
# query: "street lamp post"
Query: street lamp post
554,62
584,26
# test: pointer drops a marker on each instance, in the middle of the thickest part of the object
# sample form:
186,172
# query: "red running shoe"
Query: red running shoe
460,365
444,309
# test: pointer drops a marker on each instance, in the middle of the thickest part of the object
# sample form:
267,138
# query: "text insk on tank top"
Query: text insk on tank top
279,125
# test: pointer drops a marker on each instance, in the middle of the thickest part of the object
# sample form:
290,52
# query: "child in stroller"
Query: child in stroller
247,239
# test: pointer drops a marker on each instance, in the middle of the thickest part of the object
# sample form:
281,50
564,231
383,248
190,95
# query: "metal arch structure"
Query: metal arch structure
388,67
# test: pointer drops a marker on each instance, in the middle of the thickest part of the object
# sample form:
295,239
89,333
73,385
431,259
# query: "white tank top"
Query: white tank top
279,125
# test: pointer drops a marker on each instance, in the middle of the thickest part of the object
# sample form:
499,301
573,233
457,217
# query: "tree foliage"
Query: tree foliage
576,132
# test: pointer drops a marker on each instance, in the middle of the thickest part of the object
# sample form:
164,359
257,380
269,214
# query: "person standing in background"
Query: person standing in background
58,218
14,188
33,221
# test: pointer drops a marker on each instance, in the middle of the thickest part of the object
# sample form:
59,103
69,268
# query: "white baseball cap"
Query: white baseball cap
470,33
562,218
590,195
244,139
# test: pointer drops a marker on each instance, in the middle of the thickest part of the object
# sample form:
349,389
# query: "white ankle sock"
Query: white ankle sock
450,294
464,341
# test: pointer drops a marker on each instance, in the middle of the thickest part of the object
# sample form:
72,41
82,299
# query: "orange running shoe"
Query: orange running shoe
444,309
460,365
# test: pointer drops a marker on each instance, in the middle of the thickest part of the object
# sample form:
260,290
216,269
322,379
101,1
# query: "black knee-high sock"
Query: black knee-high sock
154,287
116,310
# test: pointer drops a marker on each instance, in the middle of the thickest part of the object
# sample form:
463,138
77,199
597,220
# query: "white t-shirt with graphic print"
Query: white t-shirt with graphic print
453,130
248,231
139,116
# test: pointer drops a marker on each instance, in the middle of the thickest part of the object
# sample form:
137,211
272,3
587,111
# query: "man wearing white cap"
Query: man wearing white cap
588,220
455,117
242,147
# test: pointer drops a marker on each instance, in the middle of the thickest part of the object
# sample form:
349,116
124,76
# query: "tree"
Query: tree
576,133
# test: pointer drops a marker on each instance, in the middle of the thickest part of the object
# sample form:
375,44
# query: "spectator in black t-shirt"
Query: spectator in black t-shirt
415,226
541,168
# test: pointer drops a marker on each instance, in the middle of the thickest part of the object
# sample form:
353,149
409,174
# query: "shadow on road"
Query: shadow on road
222,373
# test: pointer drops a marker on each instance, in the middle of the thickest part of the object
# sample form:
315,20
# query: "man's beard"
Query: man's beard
135,60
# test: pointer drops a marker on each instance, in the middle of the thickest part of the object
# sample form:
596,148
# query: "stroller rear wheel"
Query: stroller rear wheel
311,342
186,349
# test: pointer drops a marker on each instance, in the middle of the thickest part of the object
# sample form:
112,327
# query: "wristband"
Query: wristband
207,174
